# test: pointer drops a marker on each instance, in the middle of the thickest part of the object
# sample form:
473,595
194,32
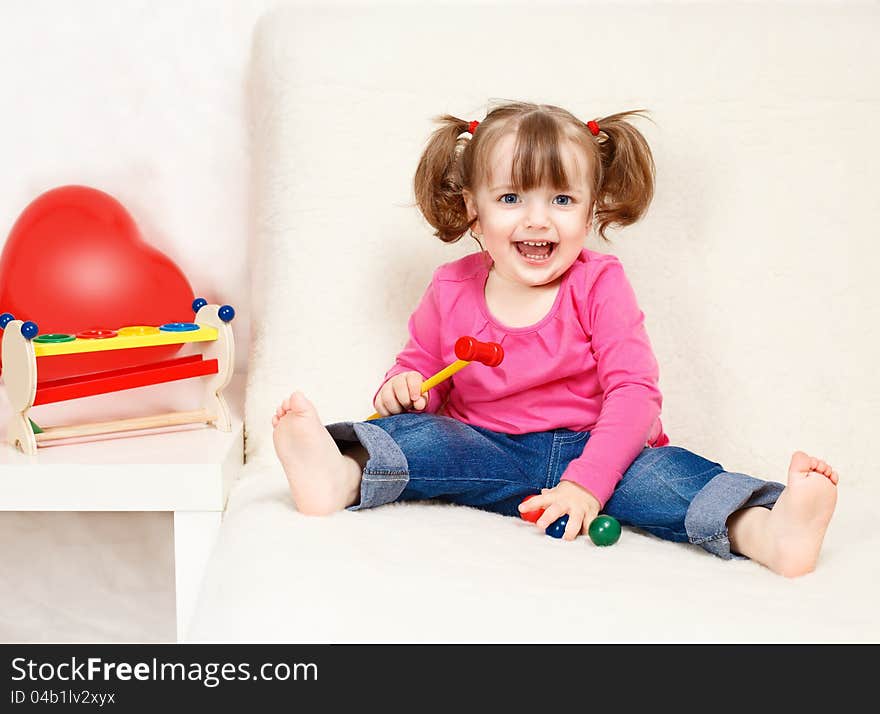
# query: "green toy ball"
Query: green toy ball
604,530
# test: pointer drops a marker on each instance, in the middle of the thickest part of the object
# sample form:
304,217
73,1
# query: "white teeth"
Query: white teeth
536,244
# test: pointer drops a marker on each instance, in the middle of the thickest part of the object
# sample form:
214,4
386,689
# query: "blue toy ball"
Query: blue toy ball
226,313
198,304
557,528
29,330
5,319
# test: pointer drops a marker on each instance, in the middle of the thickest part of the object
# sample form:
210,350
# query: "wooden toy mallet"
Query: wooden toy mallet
468,350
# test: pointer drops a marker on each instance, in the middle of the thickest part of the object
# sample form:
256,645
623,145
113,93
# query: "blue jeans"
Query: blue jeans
667,491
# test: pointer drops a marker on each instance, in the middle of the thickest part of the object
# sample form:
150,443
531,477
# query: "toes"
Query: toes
805,464
298,402
825,470
800,462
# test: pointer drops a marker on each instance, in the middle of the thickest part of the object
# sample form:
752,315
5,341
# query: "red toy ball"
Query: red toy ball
531,516
76,259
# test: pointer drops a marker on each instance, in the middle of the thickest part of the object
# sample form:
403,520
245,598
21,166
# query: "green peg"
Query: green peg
604,530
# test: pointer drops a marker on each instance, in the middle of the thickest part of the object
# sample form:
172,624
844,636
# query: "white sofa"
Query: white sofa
754,268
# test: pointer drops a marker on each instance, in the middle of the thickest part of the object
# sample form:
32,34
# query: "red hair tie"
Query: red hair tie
472,127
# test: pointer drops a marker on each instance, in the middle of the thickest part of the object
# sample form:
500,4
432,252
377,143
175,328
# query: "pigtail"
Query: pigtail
437,183
627,173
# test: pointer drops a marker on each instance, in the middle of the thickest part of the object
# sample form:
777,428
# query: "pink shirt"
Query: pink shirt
586,366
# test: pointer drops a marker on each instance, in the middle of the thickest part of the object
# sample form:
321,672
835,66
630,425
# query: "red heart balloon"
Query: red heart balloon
76,261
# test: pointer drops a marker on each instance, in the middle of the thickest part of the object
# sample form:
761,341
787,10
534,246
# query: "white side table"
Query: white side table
187,470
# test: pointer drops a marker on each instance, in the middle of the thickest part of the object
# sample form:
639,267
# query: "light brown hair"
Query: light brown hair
621,167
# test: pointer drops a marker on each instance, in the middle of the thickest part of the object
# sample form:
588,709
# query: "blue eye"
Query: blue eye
567,200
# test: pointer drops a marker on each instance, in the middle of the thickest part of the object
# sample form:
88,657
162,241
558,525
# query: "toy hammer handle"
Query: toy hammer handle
468,350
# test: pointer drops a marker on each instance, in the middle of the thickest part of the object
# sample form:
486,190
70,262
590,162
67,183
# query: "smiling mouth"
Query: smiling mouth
535,251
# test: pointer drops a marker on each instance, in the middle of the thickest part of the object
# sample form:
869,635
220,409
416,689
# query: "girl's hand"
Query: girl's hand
567,497
400,393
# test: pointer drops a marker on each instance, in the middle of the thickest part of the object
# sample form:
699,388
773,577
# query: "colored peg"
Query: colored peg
603,530
5,319
531,516
101,333
468,350
29,330
226,313
557,528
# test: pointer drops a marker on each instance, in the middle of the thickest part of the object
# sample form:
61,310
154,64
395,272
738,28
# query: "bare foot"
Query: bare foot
796,525
321,479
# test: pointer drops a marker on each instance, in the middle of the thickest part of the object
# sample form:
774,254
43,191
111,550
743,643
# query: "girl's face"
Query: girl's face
511,223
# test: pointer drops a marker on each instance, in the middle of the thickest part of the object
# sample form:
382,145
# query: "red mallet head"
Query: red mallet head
489,353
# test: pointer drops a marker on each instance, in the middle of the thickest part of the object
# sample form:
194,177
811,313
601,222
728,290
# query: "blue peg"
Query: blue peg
557,528
226,313
29,330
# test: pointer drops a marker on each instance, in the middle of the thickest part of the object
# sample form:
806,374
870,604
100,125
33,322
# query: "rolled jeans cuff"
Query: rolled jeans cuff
706,517
386,472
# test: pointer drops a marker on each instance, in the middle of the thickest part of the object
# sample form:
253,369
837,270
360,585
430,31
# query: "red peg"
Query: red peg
531,516
469,349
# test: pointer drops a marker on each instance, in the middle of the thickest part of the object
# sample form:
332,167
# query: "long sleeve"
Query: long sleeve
628,376
422,351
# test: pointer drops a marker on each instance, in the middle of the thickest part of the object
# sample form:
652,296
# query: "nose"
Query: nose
536,217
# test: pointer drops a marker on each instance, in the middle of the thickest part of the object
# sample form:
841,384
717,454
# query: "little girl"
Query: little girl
571,415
